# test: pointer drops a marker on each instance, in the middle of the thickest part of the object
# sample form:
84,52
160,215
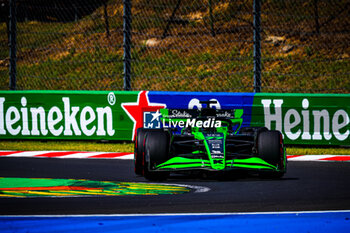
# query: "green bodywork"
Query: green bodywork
215,163
187,163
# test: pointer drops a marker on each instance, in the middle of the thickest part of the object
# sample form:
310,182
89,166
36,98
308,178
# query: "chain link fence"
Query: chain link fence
67,45
305,46
178,45
192,45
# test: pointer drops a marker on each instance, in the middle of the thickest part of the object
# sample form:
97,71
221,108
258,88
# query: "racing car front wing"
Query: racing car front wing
181,163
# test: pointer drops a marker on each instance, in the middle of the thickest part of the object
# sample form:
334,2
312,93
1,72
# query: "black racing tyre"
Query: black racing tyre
138,150
253,132
156,151
270,149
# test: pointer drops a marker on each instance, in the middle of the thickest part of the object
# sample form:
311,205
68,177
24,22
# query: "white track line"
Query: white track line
82,155
127,157
130,156
28,153
180,214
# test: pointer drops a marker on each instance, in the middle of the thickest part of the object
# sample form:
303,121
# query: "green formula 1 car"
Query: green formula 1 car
209,140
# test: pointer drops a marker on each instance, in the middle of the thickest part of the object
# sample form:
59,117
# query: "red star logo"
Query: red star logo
135,110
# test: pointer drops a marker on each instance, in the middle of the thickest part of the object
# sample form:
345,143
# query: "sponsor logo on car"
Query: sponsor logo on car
151,120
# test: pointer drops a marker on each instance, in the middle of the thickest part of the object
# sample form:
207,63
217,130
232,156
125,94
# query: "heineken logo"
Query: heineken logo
115,115
306,122
63,119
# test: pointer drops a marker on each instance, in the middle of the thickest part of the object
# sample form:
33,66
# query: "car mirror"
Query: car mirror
238,113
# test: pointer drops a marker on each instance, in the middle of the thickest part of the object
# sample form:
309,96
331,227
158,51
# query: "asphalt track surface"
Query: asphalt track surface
307,186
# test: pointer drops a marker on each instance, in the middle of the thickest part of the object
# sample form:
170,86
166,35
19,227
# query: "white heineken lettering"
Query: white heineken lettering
24,111
306,119
53,118
318,115
67,120
101,112
337,126
269,117
296,124
84,121
2,122
70,118
10,121
41,112
289,125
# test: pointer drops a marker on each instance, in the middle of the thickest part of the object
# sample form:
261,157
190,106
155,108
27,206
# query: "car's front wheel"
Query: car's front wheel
271,150
139,150
156,151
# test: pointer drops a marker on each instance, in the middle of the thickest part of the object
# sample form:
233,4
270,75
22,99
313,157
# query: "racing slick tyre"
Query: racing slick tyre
270,149
156,151
138,150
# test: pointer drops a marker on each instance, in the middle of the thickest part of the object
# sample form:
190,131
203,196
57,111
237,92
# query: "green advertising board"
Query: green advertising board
309,119
303,119
79,115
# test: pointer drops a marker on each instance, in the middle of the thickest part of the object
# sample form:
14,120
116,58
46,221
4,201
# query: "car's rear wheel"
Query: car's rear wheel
156,151
138,150
270,149
252,133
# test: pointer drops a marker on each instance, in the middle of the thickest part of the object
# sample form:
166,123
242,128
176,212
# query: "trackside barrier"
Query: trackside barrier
309,119
312,119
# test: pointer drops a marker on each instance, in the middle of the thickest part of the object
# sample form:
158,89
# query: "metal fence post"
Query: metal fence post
257,48
106,18
12,44
317,24
127,44
171,20
211,18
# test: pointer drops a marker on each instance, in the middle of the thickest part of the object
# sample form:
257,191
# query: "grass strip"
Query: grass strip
129,147
67,146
